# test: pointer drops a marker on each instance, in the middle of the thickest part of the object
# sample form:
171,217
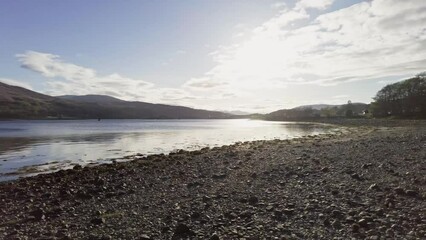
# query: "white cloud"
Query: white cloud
316,4
365,41
68,78
279,5
16,83
50,65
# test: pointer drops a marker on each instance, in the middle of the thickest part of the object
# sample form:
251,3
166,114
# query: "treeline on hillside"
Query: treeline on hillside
402,99
308,113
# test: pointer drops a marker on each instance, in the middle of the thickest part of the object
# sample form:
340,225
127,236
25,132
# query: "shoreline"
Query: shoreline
368,182
50,166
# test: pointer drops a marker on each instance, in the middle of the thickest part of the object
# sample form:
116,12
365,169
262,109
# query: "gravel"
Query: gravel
368,182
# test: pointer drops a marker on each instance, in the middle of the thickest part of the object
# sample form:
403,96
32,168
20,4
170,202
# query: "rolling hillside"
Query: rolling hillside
21,103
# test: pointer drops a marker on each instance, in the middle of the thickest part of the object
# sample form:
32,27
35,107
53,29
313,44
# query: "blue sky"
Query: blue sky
250,55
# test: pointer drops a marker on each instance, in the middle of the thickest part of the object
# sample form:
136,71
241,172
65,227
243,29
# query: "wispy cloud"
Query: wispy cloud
203,83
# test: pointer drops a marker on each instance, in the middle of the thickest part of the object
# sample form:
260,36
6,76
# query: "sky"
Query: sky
247,55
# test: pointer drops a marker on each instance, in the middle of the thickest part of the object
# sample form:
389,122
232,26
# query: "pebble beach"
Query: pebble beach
366,182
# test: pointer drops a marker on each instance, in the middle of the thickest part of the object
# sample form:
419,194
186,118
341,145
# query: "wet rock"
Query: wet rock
77,167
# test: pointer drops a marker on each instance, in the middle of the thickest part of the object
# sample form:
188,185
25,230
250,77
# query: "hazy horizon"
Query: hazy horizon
251,56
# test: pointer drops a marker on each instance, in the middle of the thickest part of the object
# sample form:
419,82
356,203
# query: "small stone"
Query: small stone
325,169
356,176
144,237
214,237
337,214
411,193
334,192
373,187
349,219
219,176
182,229
389,232
253,200
98,221
366,165
336,224
206,199
278,215
355,228
288,211
326,222
399,191
38,214
195,215
363,222
77,167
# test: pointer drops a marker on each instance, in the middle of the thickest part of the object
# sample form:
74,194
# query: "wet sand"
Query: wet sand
367,182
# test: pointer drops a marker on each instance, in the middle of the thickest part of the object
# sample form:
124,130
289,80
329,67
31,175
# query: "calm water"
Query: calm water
29,147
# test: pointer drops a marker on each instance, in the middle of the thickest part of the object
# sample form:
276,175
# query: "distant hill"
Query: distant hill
21,103
315,106
9,93
317,111
91,98
238,113
18,102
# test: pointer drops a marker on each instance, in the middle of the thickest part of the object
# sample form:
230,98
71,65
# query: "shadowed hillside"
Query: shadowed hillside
21,103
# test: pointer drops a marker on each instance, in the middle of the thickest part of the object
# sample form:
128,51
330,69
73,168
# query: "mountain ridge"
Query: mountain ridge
20,103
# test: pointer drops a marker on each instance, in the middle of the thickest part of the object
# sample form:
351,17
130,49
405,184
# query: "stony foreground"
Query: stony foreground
367,183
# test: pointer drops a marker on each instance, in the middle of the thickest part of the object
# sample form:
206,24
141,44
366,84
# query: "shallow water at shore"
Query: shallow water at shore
30,147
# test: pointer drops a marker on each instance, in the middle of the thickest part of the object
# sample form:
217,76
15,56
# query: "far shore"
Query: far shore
366,182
